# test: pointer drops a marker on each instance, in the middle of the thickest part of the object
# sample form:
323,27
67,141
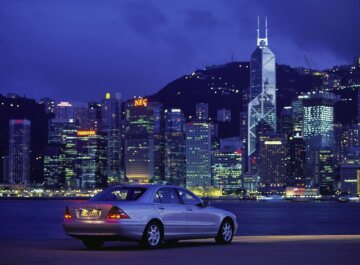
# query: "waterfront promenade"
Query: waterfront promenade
277,250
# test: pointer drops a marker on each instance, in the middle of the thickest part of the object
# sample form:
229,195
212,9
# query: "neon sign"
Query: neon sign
138,102
85,133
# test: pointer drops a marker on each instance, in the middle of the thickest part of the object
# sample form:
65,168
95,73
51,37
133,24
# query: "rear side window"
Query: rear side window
119,194
188,198
166,196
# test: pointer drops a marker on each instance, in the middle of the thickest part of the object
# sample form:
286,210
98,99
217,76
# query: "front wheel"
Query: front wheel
226,233
152,236
93,243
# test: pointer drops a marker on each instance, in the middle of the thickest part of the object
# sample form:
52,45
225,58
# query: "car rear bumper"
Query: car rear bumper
103,229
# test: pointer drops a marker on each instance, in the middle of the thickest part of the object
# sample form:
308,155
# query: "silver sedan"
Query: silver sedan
149,214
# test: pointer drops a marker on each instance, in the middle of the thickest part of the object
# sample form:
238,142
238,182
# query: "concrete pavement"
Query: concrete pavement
277,250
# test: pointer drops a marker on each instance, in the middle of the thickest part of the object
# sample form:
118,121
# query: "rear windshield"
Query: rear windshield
119,194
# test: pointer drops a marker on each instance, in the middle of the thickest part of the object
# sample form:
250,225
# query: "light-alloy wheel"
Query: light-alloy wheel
153,235
226,233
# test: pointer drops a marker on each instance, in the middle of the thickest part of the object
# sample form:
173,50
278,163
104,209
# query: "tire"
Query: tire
226,232
93,243
153,235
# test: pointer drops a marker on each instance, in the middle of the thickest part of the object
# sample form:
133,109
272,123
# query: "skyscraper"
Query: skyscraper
227,165
139,140
94,116
74,158
297,114
286,124
64,111
159,142
77,111
272,163
90,162
296,161
111,127
174,147
350,143
19,152
262,105
198,154
350,176
319,138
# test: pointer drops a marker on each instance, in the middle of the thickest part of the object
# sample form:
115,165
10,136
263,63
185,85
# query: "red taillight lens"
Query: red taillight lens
117,213
67,214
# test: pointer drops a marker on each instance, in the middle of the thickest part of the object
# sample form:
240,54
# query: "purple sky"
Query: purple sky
78,50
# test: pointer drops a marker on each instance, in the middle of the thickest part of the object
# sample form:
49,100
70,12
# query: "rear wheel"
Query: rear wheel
226,232
153,235
93,243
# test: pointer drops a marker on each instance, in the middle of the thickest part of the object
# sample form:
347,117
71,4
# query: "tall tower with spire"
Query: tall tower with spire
262,105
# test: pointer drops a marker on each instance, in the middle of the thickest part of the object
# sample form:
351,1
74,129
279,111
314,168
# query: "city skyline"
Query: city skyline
244,147
159,33
179,126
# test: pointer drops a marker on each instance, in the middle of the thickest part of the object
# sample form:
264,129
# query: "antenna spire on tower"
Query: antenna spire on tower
258,30
261,42
266,29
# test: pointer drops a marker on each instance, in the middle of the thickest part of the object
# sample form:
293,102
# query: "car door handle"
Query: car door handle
161,207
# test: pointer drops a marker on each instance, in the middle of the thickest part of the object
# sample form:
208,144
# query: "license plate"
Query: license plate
89,213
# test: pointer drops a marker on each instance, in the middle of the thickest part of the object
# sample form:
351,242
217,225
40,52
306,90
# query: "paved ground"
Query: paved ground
277,250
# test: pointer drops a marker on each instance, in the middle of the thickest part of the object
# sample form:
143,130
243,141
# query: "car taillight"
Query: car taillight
67,214
117,213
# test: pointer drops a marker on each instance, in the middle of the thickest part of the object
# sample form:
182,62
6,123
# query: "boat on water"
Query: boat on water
343,199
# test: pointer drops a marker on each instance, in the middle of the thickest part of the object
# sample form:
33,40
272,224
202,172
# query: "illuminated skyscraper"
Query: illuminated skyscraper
198,154
74,158
142,120
111,127
69,155
296,161
262,105
159,142
19,152
174,147
55,160
319,138
90,162
350,177
94,116
226,165
351,143
64,111
297,113
285,123
272,163
76,111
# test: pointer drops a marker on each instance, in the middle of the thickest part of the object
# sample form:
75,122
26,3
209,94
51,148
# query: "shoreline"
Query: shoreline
292,200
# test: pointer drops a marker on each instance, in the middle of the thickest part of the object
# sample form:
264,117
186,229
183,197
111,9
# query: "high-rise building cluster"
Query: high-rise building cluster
297,148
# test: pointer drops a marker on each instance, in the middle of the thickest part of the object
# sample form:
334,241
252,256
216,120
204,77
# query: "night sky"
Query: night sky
78,50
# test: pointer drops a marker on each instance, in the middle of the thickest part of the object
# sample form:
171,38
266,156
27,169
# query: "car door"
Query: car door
173,214
200,220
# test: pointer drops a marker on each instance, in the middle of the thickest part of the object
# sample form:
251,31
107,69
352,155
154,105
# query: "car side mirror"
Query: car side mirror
205,204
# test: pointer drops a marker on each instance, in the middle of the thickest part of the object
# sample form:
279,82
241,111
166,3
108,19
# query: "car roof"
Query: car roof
151,189
145,185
